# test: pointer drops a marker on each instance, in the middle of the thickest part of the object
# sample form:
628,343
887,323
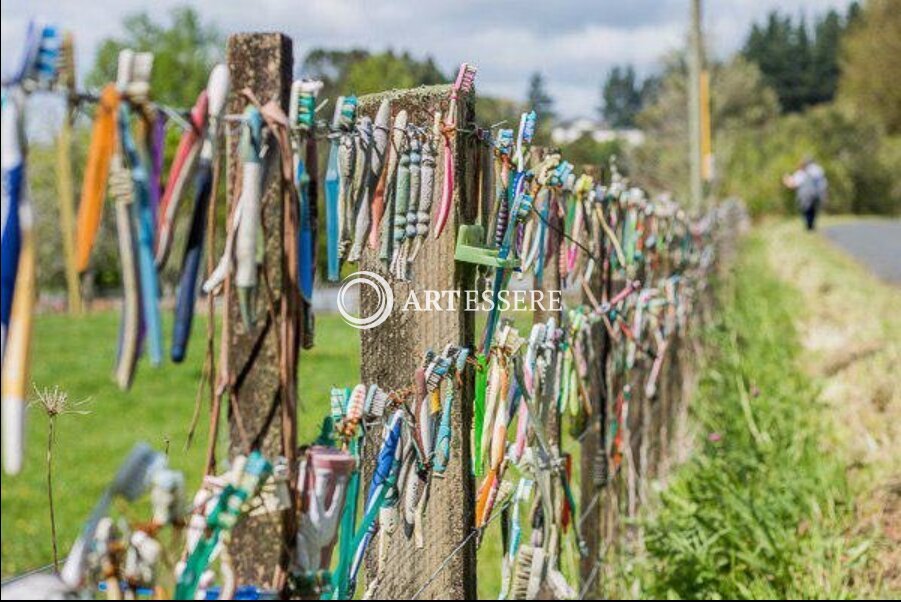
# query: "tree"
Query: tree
585,150
386,70
871,64
800,62
357,71
739,101
824,57
622,97
538,99
184,53
492,110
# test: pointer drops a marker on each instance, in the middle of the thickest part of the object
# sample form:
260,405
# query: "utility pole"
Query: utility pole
695,61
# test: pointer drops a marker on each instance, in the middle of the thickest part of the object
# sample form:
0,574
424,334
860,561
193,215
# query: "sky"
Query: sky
573,43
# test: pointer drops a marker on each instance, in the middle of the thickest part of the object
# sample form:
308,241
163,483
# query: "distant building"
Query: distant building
571,130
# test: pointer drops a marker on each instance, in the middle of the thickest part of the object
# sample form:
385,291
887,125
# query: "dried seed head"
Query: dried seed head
56,402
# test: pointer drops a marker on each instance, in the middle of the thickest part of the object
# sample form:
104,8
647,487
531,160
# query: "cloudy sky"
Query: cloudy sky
572,42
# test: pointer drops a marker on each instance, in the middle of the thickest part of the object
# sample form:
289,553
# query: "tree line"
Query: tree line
826,87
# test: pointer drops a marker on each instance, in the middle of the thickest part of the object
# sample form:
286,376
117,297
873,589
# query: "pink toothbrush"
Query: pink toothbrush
463,84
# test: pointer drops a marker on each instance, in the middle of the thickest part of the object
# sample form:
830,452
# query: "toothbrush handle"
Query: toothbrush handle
447,191
187,288
146,261
442,443
331,214
129,328
305,251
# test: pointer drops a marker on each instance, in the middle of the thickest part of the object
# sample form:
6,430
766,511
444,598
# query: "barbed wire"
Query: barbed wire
588,508
444,563
595,571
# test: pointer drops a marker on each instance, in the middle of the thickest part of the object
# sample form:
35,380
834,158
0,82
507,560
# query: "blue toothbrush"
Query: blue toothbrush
150,289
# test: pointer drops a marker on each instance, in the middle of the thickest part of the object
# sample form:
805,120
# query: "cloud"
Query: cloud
572,42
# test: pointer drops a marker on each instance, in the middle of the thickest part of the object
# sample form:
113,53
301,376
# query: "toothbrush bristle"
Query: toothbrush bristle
66,65
307,92
469,77
348,111
465,78
504,141
529,127
46,56
356,403
303,103
311,87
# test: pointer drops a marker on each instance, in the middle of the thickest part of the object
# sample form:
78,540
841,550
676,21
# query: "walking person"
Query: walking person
811,187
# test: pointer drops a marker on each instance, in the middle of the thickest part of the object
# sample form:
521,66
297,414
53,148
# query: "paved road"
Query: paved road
874,243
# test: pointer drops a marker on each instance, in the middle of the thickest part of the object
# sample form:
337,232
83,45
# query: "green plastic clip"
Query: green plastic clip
471,249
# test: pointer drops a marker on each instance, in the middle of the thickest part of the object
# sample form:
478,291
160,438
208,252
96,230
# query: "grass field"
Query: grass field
77,354
769,505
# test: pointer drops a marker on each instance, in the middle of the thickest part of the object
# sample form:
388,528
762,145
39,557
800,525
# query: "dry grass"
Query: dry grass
851,333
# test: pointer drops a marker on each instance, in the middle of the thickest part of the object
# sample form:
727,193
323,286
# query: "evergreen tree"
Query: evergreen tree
800,62
538,99
824,57
622,97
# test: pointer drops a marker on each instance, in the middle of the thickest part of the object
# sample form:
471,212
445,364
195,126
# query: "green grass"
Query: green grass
760,509
77,354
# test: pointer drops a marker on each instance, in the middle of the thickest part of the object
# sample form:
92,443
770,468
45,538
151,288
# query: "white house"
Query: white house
571,130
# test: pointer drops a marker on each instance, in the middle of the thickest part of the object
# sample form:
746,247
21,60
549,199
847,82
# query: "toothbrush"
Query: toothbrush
248,223
39,64
370,135
134,477
13,164
398,139
301,117
384,481
17,281
412,205
426,187
402,199
183,164
366,211
248,477
121,189
347,157
141,64
96,173
462,85
442,452
345,109
520,206
216,92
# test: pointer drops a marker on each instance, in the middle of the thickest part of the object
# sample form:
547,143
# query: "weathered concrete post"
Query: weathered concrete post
391,352
593,457
550,283
263,63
